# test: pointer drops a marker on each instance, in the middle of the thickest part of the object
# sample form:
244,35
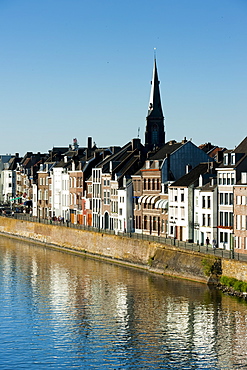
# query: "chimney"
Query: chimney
200,180
73,165
171,142
188,168
136,144
89,142
212,181
184,140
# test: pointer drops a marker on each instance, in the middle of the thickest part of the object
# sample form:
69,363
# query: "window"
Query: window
231,198
209,202
203,202
120,212
203,219
182,213
226,159
238,226
221,218
238,242
158,184
154,223
163,226
221,237
233,158
226,219
209,220
145,223
221,198
40,194
226,198
182,197
243,222
171,212
153,184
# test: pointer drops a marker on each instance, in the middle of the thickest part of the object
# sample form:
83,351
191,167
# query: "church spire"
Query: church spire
154,107
155,135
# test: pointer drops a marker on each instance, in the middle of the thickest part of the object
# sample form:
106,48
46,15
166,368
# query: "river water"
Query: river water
61,311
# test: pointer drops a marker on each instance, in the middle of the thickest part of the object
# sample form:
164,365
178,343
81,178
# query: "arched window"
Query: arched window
154,134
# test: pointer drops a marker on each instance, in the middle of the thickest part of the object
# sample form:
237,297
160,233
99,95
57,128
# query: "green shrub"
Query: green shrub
238,285
207,266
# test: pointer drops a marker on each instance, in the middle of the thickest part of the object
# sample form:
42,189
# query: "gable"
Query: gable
175,165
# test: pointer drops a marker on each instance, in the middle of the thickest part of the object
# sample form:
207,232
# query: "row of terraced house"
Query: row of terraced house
172,189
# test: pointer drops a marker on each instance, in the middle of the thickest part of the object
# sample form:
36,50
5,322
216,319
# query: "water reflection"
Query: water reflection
62,311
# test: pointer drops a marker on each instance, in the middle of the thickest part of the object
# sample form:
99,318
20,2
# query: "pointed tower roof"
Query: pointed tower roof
154,107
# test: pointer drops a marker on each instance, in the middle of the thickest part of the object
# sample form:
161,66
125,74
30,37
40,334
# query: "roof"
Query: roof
191,177
242,147
167,149
241,154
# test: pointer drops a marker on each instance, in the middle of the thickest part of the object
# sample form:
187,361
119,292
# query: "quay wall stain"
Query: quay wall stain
151,256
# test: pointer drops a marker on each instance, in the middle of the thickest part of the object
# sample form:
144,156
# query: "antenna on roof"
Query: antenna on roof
138,132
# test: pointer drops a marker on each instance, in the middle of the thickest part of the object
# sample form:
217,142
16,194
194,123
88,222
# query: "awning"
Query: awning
144,199
149,198
153,200
140,198
162,203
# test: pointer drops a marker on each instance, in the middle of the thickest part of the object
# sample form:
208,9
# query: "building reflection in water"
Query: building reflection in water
125,315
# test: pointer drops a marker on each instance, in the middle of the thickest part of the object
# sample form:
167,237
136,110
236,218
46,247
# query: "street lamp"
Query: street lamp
99,221
130,224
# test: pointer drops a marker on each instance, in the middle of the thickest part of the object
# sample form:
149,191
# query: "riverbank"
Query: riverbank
151,256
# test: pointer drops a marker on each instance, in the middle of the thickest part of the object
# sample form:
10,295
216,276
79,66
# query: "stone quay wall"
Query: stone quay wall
150,256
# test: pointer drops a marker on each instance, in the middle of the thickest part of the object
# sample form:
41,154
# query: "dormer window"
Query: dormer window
226,159
233,158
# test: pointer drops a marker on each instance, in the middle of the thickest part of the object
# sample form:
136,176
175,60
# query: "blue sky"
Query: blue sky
74,68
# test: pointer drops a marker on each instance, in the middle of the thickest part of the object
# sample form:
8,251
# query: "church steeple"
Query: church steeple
155,134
